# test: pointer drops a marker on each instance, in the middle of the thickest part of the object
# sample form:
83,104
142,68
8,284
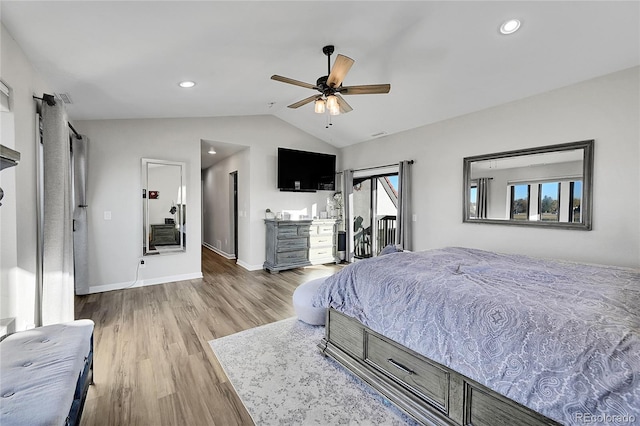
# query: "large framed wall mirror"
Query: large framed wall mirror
549,186
164,207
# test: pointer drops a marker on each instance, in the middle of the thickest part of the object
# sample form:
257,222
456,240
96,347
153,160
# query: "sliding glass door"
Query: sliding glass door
375,209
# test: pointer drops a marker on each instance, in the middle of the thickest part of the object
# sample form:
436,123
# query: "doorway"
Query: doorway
375,209
233,203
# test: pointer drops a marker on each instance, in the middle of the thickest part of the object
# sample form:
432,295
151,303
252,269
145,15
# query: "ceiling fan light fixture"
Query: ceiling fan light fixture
510,26
331,88
332,105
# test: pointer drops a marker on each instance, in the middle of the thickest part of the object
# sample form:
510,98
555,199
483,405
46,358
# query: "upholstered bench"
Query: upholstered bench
305,310
45,374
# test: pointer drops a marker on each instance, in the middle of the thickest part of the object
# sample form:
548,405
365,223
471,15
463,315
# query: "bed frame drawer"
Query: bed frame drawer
429,392
484,409
423,378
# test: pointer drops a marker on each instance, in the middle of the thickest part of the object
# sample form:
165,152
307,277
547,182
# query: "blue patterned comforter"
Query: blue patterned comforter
560,338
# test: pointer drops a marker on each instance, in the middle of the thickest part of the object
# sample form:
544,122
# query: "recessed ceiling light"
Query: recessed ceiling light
212,151
187,84
510,26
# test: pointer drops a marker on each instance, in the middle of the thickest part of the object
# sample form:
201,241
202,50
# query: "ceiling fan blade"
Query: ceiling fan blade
344,106
292,81
303,102
365,89
341,67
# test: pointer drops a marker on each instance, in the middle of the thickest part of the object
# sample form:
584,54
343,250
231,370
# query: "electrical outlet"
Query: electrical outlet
143,264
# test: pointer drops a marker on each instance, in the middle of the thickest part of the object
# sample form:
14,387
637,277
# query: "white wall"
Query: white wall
257,182
166,180
115,150
216,201
18,232
263,182
605,109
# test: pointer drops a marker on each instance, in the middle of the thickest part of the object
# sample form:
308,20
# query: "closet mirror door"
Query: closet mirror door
164,203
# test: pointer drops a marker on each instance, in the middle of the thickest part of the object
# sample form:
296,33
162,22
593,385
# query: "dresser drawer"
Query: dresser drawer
321,229
291,256
287,231
304,231
320,240
427,380
292,244
317,253
325,229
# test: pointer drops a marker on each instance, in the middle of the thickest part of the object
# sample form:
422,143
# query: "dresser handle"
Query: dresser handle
400,366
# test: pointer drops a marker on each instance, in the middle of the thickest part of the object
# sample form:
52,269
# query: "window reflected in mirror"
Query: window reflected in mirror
545,186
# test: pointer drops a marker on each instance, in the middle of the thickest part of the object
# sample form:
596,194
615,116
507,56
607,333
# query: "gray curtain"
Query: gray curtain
403,232
347,200
80,236
481,202
57,250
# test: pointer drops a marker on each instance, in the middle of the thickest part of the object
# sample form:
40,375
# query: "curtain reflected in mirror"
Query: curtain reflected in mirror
546,186
164,204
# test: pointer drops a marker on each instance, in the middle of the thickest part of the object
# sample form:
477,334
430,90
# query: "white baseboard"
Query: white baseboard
218,251
231,256
249,267
144,283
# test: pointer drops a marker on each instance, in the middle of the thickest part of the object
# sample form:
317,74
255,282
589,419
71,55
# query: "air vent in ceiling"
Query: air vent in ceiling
64,97
375,135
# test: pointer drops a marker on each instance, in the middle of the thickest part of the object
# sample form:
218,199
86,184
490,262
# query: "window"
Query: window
575,205
520,194
473,200
549,201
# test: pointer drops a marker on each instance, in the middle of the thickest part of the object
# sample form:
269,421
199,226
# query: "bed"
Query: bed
45,373
459,336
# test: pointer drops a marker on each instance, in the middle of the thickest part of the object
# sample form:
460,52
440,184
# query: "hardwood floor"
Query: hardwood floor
153,364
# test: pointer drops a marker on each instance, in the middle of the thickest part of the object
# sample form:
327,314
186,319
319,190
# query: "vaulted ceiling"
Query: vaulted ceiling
124,59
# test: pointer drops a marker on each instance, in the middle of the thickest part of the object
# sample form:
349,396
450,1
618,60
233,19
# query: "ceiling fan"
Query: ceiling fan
331,88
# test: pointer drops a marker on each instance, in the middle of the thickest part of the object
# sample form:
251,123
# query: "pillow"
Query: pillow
391,248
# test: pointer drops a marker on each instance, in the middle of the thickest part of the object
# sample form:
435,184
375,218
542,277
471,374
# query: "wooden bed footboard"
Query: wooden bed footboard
429,392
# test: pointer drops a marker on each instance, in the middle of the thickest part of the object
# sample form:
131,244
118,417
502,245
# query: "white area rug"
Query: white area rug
283,379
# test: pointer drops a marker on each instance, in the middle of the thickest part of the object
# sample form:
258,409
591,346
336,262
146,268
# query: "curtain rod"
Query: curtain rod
376,167
51,101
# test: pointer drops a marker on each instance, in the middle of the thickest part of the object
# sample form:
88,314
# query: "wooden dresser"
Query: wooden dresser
164,234
296,243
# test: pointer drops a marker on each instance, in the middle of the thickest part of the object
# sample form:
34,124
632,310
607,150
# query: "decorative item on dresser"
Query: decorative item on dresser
297,243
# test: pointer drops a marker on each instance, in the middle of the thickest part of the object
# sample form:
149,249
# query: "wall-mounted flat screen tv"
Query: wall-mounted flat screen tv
305,171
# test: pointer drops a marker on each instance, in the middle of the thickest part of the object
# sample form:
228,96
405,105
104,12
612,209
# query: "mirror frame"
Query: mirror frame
146,251
587,177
